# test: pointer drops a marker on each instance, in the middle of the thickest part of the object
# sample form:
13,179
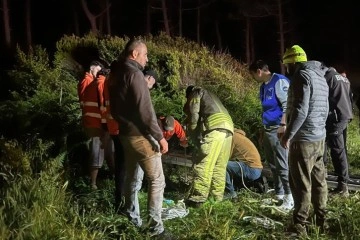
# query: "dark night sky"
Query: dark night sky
325,29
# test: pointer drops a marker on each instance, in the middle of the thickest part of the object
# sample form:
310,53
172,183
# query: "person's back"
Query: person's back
305,138
308,123
340,114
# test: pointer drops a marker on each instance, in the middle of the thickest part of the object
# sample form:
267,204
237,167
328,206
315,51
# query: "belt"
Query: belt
272,127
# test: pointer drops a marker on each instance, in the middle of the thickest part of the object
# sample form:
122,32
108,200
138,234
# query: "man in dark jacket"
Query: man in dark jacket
210,127
340,114
305,134
139,134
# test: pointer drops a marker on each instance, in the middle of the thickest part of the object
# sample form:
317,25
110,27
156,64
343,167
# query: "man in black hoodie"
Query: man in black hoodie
340,114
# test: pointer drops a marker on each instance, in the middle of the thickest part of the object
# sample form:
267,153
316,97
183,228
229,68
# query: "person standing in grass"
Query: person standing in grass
92,103
210,127
340,114
273,96
140,135
304,136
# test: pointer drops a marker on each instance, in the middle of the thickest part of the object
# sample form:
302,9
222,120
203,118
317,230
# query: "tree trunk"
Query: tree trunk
91,17
108,19
281,34
247,40
6,18
180,18
165,15
28,23
198,22
148,18
218,34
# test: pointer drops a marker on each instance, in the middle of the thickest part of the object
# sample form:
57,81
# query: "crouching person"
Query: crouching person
244,165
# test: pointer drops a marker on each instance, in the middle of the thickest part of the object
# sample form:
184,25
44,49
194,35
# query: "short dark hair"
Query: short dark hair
96,63
258,64
189,90
131,45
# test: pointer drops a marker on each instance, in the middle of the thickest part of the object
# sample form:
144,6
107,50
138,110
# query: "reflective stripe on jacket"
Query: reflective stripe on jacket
91,99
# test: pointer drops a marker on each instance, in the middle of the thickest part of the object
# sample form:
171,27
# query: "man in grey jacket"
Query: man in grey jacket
304,136
140,135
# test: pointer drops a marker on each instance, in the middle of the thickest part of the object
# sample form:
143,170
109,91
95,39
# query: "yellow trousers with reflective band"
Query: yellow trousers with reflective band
210,171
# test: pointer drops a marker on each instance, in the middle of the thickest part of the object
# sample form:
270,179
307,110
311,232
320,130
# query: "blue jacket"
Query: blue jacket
273,97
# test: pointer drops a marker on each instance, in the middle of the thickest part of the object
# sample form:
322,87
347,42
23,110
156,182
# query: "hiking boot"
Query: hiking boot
288,203
297,230
341,190
230,195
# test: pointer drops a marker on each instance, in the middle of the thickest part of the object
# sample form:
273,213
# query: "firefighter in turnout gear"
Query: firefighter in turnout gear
210,128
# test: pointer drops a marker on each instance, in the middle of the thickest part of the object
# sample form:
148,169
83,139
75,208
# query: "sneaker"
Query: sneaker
279,197
297,230
288,203
94,187
230,195
341,190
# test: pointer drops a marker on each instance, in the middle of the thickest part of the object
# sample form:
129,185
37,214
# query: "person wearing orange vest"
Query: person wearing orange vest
92,103
170,126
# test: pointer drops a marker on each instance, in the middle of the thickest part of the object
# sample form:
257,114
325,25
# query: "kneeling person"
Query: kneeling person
245,163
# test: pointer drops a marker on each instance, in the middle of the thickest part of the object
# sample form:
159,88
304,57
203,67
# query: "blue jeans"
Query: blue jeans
236,171
277,157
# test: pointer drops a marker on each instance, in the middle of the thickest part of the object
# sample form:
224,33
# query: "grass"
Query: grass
45,206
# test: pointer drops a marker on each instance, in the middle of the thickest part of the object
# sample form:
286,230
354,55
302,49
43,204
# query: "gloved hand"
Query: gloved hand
155,144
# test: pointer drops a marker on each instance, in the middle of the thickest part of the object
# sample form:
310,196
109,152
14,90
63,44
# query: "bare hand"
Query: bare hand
285,143
164,148
281,131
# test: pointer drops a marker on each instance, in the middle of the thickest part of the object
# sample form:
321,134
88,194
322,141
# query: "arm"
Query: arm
281,91
300,106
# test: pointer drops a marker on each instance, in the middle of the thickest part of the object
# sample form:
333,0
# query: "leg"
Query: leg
319,186
96,159
270,156
119,171
301,162
219,170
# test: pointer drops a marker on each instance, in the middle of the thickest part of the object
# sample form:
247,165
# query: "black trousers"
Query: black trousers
119,171
336,133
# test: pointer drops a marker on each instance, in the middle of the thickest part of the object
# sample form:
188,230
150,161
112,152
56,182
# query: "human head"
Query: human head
259,70
136,50
168,123
292,55
189,90
150,77
95,67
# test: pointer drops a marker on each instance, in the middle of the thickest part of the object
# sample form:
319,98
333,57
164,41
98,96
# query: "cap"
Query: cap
150,73
294,54
168,123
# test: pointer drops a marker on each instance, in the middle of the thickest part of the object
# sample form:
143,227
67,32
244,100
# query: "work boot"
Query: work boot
288,203
341,190
297,230
230,195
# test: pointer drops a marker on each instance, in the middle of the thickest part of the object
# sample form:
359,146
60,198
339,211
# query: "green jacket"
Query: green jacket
205,112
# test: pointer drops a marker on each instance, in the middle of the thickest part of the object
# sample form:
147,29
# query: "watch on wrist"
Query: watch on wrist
282,124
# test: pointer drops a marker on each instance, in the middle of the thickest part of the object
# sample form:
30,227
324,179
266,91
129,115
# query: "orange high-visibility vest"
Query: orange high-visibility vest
91,96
